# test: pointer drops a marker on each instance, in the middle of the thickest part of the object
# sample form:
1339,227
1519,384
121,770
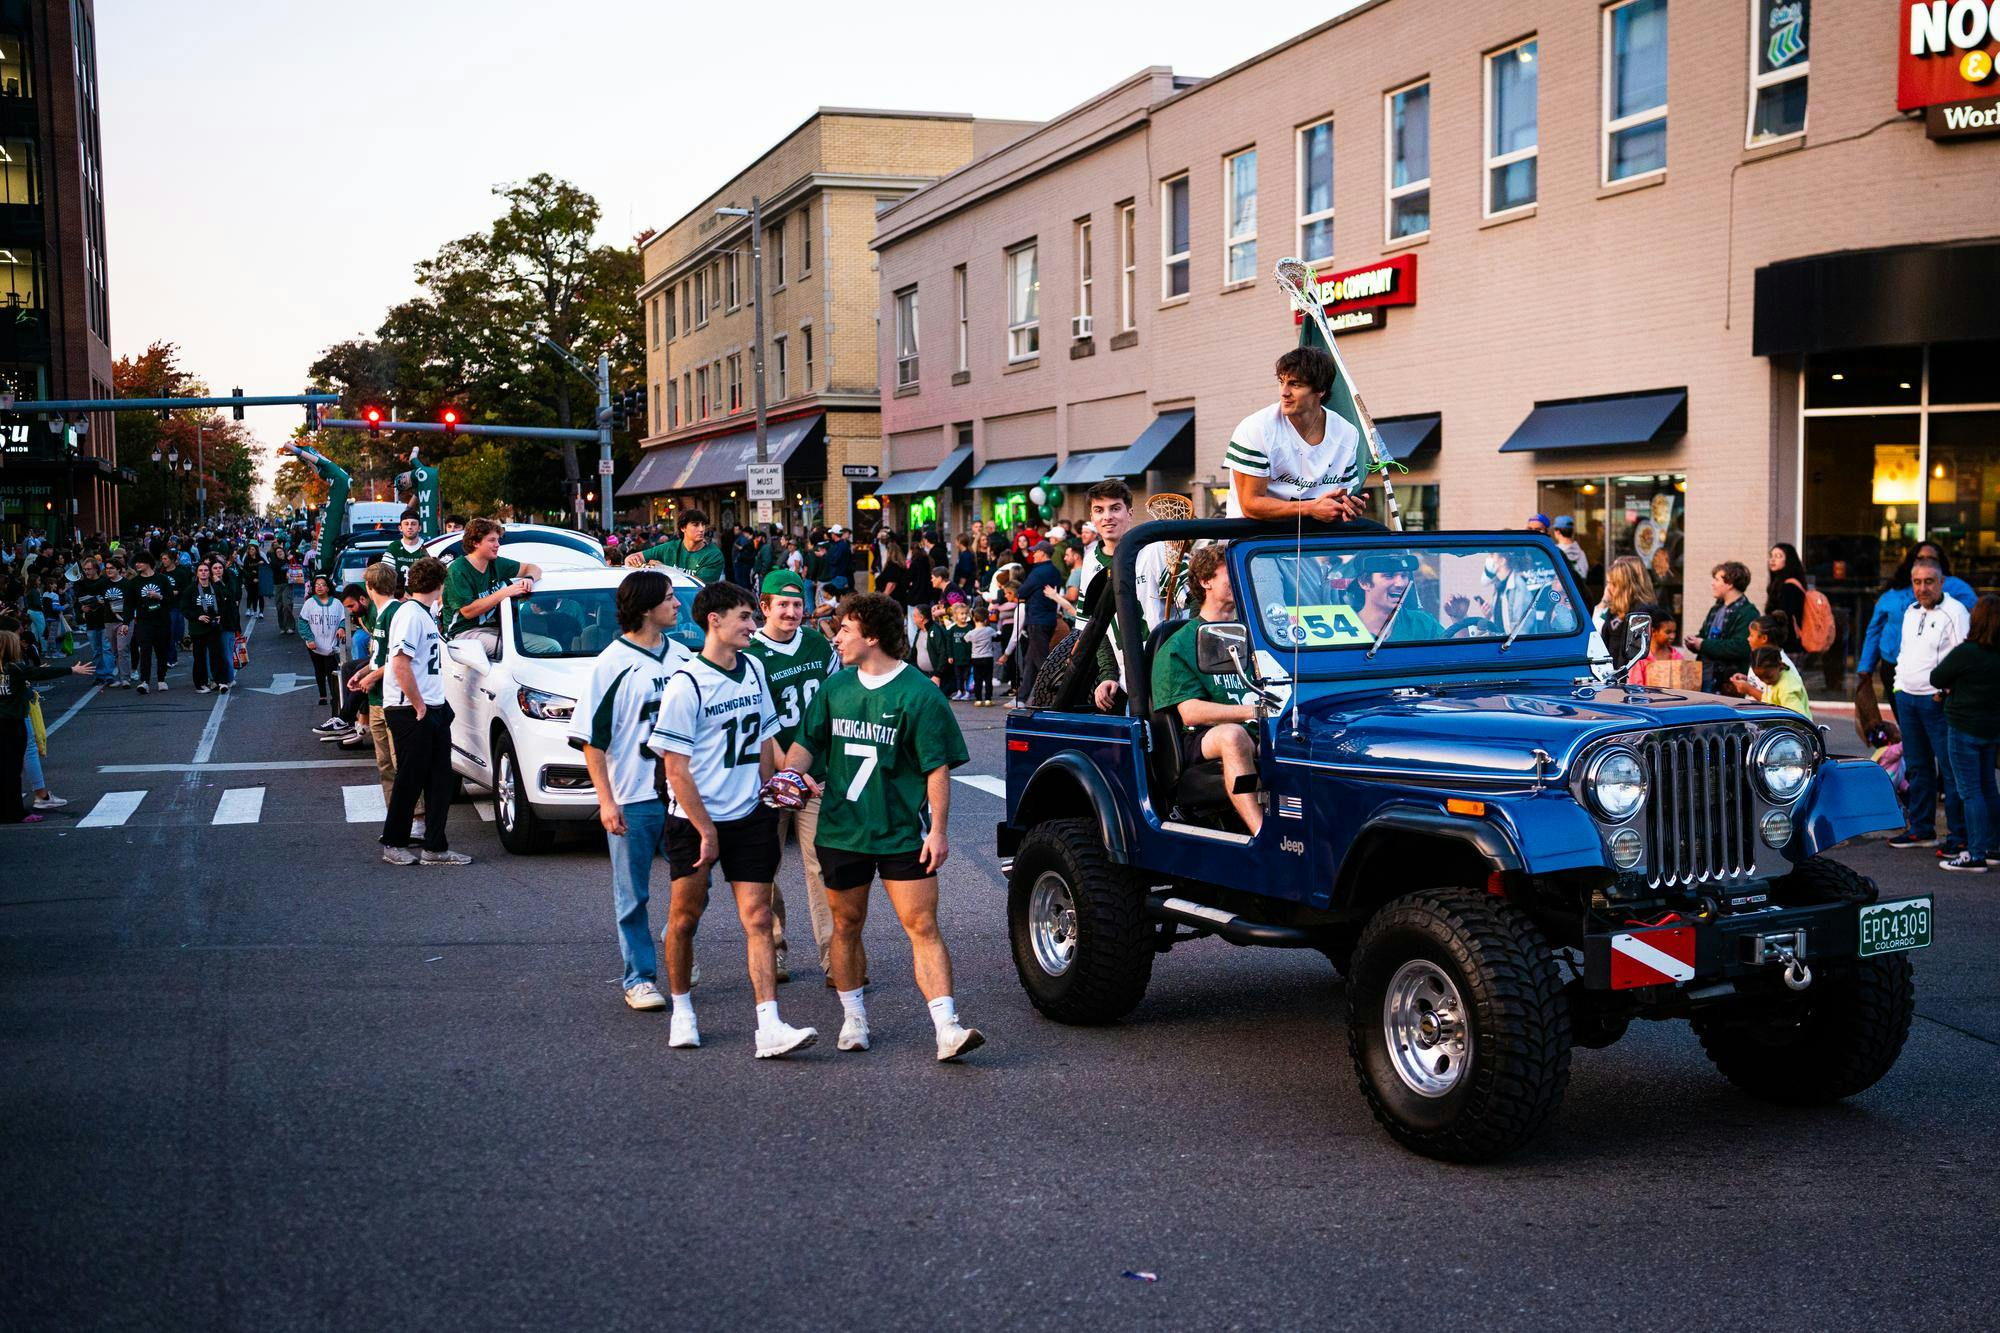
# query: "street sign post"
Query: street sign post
766,481
763,511
860,471
603,467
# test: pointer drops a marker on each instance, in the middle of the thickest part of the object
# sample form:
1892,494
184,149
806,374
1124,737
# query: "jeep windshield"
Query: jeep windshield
582,622
1331,599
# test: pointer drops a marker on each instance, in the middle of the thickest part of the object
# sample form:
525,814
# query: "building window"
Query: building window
1409,134
701,300
1128,266
734,285
778,254
782,346
906,337
806,349
1315,239
1084,305
1024,303
1174,240
1239,216
673,408
653,321
20,278
1635,89
964,318
14,81
686,297
673,326
805,240
1778,32
701,391
1512,141
736,383
687,397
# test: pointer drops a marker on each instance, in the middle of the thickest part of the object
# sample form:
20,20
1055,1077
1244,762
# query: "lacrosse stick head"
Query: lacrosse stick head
1169,505
1295,279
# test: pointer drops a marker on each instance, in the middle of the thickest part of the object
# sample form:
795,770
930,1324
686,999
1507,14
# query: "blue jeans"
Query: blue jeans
101,653
632,857
1972,766
31,761
1925,738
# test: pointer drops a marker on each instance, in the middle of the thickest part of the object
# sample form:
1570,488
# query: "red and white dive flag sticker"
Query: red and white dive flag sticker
1652,957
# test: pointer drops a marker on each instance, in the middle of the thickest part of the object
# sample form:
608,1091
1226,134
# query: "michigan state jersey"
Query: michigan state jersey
874,741
720,721
620,704
796,670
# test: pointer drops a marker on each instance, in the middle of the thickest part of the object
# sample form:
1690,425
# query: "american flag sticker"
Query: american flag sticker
1291,807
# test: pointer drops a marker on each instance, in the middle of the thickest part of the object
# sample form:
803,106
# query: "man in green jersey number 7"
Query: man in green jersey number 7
883,741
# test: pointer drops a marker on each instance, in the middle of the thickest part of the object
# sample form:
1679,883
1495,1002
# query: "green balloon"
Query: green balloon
1048,513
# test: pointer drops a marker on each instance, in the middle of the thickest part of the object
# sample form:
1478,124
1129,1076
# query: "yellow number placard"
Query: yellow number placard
1321,626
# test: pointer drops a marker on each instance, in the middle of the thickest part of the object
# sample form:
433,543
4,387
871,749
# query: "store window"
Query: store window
1316,191
1239,219
1636,514
1512,136
1409,132
1174,239
1635,89
1778,32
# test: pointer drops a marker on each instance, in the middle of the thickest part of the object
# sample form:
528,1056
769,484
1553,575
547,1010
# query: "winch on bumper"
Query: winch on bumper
1710,956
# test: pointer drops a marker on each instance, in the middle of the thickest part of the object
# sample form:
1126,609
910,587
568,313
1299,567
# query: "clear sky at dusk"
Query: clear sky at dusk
274,169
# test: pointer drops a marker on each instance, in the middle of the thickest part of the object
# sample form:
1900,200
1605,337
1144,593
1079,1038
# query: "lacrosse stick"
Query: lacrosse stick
1295,279
1167,506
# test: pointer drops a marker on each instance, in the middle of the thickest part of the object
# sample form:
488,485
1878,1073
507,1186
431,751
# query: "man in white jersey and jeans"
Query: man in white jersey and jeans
716,738
1295,459
612,724
419,725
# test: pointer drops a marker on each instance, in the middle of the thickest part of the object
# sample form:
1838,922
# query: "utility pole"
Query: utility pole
604,441
756,215
200,474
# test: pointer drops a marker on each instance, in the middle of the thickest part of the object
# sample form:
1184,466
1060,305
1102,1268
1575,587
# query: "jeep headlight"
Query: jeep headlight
545,705
1615,785
1782,763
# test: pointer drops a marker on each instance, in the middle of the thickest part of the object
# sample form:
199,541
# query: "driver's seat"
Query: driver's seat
1196,791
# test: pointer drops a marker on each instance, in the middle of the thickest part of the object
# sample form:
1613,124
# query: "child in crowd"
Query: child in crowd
1777,681
959,631
1665,646
979,641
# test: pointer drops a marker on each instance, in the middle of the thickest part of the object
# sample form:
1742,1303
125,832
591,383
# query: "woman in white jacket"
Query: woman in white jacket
323,625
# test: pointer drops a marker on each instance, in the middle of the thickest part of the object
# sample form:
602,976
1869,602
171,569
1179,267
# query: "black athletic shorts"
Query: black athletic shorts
857,870
750,851
1191,738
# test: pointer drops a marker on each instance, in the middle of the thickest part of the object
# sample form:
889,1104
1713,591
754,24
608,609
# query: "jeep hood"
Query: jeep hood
1485,732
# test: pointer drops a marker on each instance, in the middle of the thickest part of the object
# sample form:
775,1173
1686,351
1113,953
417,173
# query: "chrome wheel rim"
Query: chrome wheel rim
503,791
1052,924
1428,1033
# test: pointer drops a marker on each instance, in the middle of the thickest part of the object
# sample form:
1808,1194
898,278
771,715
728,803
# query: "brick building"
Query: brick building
55,311
1759,318
820,189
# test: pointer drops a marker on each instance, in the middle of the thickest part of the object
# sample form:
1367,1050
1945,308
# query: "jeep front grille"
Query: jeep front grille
1700,818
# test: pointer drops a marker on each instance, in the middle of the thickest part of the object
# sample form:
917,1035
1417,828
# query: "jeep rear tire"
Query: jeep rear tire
1082,943
1457,1025
1837,1039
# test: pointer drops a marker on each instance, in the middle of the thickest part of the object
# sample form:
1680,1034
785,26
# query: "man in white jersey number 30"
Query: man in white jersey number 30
883,742
716,738
1295,459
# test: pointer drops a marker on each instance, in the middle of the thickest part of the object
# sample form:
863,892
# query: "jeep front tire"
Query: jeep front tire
1082,943
1457,1025
1835,1040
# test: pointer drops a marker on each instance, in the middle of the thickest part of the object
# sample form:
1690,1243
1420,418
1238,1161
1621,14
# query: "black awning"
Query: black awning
723,460
1610,421
1006,474
1087,468
929,480
1407,437
1167,444
1894,297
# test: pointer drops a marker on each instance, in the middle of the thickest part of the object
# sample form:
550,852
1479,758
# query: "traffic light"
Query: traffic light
450,419
373,416
312,418
237,410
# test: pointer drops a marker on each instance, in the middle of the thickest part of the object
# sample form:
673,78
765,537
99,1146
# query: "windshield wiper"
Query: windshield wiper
1390,623
1527,614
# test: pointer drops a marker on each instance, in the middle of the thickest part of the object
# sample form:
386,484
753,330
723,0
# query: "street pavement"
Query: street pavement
255,1078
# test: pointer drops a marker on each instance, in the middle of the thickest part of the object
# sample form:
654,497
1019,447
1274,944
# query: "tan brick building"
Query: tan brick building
1697,324
819,191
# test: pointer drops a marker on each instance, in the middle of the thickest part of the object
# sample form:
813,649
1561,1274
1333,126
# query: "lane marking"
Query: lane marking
112,809
209,732
90,692
239,805
485,809
266,766
364,804
992,786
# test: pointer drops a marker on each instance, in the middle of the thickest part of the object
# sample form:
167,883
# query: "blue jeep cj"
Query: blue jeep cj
1505,849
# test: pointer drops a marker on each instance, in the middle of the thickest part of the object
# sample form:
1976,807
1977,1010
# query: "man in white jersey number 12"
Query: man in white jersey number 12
1294,459
716,738
883,741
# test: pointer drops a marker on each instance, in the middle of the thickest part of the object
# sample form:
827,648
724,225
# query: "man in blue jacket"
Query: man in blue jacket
1038,617
1882,643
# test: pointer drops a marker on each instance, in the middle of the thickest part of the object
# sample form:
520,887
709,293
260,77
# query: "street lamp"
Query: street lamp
756,215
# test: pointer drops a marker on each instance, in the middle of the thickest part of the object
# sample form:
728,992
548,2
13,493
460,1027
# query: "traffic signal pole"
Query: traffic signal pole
440,428
604,441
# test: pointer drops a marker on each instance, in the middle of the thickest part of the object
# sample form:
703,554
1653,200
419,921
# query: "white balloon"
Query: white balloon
1038,495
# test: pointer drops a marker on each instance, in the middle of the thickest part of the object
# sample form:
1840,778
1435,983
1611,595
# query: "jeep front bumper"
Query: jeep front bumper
1683,951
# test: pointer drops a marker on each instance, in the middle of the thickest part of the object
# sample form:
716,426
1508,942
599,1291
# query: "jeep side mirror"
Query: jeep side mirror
1638,635
1222,648
470,653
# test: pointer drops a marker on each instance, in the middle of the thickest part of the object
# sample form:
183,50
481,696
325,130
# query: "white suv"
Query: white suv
514,687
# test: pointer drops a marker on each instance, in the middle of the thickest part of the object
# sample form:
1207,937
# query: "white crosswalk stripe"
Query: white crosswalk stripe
112,809
992,786
240,805
364,804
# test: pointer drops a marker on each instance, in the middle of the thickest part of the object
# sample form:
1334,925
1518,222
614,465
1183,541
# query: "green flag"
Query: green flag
334,517
1340,402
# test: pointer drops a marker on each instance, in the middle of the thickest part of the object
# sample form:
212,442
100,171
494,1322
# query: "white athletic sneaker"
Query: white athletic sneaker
50,802
853,1034
331,724
204,689
161,687
683,1035
694,975
417,830
142,687
222,689
444,859
644,996
784,972
783,1040
399,856
955,1041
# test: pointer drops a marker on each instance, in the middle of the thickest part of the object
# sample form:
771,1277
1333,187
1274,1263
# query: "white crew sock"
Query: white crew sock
851,1003
767,1017
944,1014
683,1005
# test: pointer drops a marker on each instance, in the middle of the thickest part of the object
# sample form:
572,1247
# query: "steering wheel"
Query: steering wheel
1481,625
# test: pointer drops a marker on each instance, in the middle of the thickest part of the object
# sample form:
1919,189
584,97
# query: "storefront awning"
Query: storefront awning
1008,473
1407,437
1086,469
928,480
1622,420
723,460
1894,297
1167,444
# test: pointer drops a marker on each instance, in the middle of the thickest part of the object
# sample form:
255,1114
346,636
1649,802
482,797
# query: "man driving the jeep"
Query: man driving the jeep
1213,710
1385,579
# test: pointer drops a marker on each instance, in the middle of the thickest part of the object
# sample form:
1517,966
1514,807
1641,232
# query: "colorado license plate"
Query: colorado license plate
1894,927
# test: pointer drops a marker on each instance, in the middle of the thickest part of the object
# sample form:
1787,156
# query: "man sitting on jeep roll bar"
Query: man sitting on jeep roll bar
1212,709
